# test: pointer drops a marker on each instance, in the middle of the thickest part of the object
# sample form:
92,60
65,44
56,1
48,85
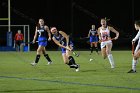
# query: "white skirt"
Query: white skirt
103,44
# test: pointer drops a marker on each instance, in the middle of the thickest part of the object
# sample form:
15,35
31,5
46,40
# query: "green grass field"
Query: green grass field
18,76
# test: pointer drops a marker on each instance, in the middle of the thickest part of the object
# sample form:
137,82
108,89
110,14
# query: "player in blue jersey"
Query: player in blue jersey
93,38
41,32
63,41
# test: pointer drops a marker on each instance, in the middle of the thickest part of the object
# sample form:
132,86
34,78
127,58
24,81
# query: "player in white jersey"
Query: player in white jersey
136,54
106,43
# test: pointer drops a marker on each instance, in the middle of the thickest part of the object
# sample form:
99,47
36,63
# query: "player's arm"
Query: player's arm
99,35
66,36
15,37
96,32
35,35
49,33
89,33
22,37
115,31
136,37
60,45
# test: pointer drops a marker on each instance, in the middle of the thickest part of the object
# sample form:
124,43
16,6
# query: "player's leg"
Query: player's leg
91,44
69,60
17,46
65,56
136,56
109,54
46,56
21,46
39,50
72,60
66,60
135,61
103,52
96,46
91,47
103,49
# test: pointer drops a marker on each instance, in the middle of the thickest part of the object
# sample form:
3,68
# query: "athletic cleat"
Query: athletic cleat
131,71
33,64
112,67
49,63
78,68
90,59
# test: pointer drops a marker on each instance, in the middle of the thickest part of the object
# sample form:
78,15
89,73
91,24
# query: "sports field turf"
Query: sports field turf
18,76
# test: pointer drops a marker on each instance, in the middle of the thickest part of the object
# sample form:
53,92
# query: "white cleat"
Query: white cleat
49,63
90,59
78,68
112,67
33,64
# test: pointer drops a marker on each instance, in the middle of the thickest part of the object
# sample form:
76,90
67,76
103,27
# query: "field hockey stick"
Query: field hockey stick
109,39
75,54
28,42
133,47
35,42
84,37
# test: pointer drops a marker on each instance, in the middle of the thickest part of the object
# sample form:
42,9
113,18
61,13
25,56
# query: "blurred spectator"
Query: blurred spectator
18,40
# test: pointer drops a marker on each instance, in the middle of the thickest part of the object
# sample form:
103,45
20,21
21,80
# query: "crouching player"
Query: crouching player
136,54
63,41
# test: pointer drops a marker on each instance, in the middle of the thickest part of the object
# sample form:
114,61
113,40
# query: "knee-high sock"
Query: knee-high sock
37,58
72,63
71,60
111,60
134,63
91,49
47,57
96,49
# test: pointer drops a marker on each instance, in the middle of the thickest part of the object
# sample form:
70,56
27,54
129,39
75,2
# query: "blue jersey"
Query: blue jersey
41,32
62,41
92,32
93,36
60,38
42,36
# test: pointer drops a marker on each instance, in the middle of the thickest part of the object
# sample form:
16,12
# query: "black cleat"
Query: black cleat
131,71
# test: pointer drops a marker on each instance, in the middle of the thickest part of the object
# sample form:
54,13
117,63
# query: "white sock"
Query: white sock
134,63
111,60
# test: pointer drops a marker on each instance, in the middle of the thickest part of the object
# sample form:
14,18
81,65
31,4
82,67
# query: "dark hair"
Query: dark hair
137,22
38,25
106,19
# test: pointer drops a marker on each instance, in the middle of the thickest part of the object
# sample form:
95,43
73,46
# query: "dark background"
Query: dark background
75,17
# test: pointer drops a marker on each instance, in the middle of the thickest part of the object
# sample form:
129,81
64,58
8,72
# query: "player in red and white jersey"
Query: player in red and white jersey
106,41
